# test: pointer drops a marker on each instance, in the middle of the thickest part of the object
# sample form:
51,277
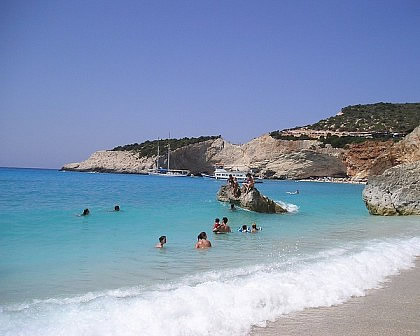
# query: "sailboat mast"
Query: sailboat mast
157,159
169,148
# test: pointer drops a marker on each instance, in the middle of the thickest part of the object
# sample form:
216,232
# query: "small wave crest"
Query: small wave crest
293,208
228,303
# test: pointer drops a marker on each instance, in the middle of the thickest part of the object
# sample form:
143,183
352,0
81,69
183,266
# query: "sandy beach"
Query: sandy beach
393,309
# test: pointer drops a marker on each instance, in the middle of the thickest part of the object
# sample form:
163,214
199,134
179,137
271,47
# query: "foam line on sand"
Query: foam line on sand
391,310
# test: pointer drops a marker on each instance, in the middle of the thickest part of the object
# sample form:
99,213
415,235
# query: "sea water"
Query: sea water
63,274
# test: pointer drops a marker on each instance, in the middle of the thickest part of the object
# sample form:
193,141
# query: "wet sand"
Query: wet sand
391,310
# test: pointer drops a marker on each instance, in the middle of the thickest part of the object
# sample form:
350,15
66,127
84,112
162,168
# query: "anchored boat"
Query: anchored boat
159,171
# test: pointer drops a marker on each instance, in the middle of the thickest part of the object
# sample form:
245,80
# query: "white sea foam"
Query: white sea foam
293,208
223,303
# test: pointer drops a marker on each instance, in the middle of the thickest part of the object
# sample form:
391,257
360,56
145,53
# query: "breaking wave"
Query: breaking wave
226,302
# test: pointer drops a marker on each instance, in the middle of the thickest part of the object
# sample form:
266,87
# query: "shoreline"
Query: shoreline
390,310
343,180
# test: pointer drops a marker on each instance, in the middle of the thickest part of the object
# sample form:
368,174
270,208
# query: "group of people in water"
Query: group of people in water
223,227
86,211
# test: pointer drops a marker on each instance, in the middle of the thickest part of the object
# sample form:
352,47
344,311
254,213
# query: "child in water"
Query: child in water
216,224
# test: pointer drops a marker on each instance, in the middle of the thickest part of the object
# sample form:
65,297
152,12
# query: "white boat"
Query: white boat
170,172
159,171
222,174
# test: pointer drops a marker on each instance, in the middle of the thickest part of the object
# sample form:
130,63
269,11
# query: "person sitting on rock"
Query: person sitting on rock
202,241
236,189
231,181
162,241
249,184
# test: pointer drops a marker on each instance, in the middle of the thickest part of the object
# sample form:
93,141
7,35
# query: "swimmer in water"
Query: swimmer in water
162,241
117,208
85,212
244,229
254,228
232,207
202,241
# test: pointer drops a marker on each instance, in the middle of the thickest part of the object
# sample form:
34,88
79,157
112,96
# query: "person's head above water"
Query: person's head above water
162,241
224,220
254,225
244,227
202,235
117,208
85,212
217,220
232,206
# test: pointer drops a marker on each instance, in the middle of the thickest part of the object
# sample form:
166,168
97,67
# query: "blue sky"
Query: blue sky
79,76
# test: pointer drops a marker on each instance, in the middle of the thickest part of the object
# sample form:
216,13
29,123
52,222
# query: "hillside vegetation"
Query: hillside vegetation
149,148
379,117
359,123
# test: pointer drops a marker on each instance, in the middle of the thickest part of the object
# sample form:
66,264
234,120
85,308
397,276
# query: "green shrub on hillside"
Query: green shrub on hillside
379,117
149,148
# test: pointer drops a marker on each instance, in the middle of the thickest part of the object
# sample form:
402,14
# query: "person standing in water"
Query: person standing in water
202,241
162,241
224,227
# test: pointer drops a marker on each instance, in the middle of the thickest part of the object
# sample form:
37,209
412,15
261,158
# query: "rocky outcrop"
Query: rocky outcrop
252,200
113,162
395,192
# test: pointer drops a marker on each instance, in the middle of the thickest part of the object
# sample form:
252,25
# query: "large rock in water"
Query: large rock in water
252,200
395,192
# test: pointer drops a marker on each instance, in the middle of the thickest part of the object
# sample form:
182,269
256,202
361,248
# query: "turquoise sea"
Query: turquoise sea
62,274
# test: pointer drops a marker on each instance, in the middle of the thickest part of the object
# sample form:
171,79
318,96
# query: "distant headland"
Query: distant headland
360,141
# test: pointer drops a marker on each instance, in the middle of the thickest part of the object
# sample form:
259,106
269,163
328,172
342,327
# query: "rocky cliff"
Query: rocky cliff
405,151
395,192
112,162
269,157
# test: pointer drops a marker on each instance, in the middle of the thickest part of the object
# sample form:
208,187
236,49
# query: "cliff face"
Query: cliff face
270,157
359,158
405,151
395,192
112,162
267,156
